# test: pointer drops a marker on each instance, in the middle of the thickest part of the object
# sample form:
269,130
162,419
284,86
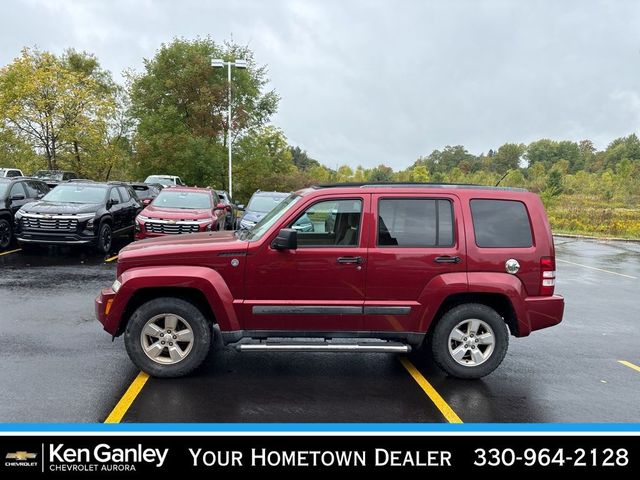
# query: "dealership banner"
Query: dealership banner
132,456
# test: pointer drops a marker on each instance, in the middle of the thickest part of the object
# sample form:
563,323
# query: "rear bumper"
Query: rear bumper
103,304
543,312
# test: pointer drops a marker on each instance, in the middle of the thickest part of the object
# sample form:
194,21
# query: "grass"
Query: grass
582,215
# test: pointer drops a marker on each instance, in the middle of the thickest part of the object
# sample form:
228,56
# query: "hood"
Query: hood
155,212
61,208
156,251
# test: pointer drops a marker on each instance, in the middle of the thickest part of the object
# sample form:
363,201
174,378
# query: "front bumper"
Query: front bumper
544,312
103,304
55,238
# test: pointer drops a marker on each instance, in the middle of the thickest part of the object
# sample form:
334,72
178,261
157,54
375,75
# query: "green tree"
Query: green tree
506,158
56,105
301,159
381,173
180,102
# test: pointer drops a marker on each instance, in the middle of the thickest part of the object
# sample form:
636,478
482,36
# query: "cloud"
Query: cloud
367,82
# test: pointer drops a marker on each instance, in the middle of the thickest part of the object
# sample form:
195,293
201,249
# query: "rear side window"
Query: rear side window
124,194
501,223
409,222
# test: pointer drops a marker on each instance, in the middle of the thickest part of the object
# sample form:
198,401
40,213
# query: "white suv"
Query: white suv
10,172
166,180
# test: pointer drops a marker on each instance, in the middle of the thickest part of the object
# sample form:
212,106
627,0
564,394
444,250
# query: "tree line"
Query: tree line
67,112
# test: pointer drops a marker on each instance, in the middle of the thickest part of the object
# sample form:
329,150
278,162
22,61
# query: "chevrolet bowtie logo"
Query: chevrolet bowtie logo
22,456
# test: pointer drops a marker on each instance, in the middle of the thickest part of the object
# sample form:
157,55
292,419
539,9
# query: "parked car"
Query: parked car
166,180
53,178
10,172
146,192
390,268
75,213
232,209
14,193
181,210
259,205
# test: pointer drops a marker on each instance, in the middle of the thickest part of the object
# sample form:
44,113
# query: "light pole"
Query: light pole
220,63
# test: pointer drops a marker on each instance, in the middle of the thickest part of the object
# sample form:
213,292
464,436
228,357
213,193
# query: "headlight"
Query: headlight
21,212
142,218
116,285
202,221
247,224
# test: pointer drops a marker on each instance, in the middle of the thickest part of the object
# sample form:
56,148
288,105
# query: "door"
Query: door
415,240
117,209
17,197
320,285
130,208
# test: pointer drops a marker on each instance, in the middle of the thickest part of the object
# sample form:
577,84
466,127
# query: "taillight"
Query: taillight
547,275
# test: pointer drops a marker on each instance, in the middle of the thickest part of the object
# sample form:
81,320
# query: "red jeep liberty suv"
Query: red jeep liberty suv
386,267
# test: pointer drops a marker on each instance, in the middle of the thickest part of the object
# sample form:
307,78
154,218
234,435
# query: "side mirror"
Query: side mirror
17,197
220,206
146,201
241,206
287,239
111,203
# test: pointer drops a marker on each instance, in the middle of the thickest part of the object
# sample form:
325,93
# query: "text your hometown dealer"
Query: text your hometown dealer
104,453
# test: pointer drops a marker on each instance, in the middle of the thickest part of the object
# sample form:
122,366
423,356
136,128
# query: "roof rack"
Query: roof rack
466,186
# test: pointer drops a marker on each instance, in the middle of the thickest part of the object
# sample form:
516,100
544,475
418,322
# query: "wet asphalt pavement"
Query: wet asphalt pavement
59,366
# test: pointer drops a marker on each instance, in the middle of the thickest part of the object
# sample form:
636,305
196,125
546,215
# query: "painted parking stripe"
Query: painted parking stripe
446,411
121,408
11,251
630,365
596,268
111,259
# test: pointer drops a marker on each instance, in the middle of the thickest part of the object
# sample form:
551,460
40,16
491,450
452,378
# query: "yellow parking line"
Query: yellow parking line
127,399
10,251
111,259
596,268
431,392
630,365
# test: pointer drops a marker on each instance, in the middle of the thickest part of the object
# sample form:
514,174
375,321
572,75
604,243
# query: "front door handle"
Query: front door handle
350,260
447,259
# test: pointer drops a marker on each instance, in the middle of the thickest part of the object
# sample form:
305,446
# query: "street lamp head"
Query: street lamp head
241,63
217,63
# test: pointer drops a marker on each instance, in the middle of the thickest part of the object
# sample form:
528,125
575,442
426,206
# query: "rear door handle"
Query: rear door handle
447,259
350,260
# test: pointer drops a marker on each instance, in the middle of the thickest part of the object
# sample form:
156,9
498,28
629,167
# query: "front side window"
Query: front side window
415,222
330,223
114,197
501,223
124,194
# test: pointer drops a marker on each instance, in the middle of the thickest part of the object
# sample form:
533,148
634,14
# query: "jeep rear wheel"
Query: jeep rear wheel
470,341
168,337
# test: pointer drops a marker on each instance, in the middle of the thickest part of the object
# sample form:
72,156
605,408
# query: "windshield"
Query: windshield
48,174
166,181
264,203
178,199
269,219
72,193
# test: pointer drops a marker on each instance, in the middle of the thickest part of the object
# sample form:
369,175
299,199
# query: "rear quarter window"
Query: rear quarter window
501,223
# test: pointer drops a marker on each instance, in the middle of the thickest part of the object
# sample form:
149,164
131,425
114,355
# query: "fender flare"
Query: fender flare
439,288
206,280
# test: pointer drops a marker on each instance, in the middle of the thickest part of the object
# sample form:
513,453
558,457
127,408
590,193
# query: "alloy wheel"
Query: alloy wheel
167,338
471,342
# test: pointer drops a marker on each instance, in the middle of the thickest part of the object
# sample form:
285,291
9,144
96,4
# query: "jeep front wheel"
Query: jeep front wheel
168,337
470,341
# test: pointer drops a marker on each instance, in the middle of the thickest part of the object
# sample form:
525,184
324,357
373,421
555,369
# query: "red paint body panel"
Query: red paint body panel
388,277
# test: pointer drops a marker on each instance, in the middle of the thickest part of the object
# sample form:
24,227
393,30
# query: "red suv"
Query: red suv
181,210
384,268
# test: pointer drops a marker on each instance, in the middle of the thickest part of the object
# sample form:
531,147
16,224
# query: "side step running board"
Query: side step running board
360,347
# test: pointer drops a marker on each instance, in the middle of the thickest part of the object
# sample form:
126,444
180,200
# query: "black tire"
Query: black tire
446,325
200,327
105,238
6,233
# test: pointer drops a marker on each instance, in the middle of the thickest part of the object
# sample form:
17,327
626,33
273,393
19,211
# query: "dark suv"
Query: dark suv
383,268
79,213
14,193
54,178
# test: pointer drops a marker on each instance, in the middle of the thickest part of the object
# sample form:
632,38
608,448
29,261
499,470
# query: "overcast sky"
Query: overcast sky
369,82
